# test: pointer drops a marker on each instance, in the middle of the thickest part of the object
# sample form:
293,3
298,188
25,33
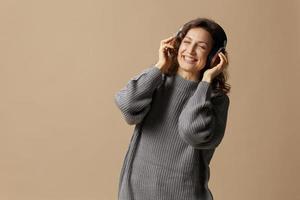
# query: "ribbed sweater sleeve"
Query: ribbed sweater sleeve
202,122
134,100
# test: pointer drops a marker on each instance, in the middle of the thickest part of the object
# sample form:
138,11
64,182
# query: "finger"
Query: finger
166,46
222,61
168,39
223,57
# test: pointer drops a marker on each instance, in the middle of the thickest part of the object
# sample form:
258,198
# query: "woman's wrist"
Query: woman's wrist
207,79
158,65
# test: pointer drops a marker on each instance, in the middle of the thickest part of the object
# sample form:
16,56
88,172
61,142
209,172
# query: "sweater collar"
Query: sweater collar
184,84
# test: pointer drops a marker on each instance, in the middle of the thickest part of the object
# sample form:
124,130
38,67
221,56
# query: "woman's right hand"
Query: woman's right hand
164,61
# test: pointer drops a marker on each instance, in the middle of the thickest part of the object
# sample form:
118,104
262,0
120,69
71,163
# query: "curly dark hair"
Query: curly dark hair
219,40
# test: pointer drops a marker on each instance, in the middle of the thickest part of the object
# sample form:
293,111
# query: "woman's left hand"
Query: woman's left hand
211,73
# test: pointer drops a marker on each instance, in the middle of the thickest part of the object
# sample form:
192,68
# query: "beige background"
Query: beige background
61,62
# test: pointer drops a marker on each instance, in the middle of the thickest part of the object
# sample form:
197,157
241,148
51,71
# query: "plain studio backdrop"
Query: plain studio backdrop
61,62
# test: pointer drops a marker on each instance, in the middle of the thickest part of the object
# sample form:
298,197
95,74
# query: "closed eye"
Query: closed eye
203,47
187,42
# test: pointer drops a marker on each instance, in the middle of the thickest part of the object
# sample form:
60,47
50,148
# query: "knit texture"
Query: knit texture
178,125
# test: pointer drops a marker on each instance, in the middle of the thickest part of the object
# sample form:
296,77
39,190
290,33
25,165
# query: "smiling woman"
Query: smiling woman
200,39
179,108
193,52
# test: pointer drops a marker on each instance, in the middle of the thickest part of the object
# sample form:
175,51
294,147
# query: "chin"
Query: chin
186,67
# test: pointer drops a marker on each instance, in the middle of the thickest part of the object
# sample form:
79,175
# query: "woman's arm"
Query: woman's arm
202,122
134,99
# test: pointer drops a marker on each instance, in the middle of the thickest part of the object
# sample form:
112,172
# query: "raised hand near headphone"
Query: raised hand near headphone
164,61
211,73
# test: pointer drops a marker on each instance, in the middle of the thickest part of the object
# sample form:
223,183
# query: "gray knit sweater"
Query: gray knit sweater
178,125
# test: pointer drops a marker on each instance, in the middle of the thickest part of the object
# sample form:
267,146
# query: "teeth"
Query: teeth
190,59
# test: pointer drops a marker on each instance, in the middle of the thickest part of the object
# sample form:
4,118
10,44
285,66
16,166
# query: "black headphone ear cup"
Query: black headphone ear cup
209,59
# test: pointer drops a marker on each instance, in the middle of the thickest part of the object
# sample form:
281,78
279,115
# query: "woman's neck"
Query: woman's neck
188,75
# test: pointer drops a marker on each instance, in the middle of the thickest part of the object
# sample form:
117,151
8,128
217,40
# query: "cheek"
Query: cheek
179,53
178,57
202,55
180,49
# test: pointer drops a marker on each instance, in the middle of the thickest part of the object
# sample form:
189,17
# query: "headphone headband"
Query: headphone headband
225,43
180,29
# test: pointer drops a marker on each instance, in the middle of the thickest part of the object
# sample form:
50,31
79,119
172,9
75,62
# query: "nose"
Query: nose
191,49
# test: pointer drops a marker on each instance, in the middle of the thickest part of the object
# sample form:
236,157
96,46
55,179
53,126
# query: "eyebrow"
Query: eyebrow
198,41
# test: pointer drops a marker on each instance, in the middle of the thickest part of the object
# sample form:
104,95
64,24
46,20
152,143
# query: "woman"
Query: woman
179,108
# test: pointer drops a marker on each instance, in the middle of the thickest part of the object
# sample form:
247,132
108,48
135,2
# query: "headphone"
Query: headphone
214,52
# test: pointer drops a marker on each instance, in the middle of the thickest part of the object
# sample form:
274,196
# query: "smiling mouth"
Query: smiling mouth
189,59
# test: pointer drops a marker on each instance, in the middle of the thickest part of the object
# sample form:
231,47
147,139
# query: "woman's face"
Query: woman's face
194,49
